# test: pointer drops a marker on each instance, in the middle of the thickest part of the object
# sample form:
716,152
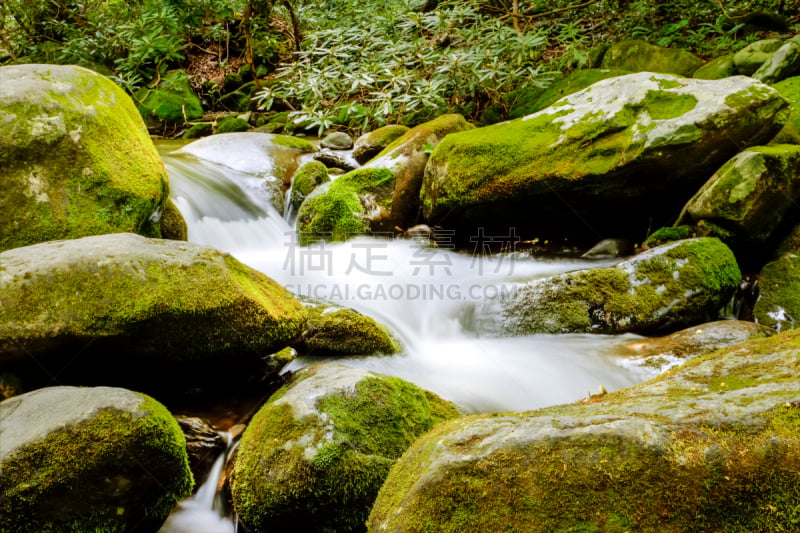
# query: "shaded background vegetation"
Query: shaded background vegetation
360,64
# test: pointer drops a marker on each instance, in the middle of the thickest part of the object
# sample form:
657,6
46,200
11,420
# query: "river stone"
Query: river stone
711,446
337,140
380,196
334,330
75,158
676,284
203,446
305,180
640,56
785,62
125,309
313,458
790,133
332,159
750,58
616,158
274,158
778,303
718,68
750,195
371,144
170,104
89,459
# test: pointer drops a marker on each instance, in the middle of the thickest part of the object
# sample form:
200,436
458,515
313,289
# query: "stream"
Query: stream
426,297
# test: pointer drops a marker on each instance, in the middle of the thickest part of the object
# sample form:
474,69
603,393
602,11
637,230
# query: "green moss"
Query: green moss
172,103
101,174
345,331
669,234
335,215
232,124
778,303
718,68
663,105
640,56
89,468
790,89
203,129
438,127
297,143
306,179
173,225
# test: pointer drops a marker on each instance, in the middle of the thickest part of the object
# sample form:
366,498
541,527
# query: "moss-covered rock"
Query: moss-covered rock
713,445
75,158
778,303
171,103
677,284
750,194
337,140
173,225
381,195
150,313
371,144
784,63
641,56
574,82
334,330
314,457
305,180
618,157
668,234
197,131
750,58
232,125
790,89
89,459
716,69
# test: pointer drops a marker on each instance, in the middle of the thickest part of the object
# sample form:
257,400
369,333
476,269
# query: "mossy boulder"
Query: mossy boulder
273,158
381,195
784,63
231,125
75,157
305,180
616,158
641,56
778,303
150,313
337,140
197,131
677,284
313,458
334,330
574,82
371,144
173,225
750,58
790,133
89,459
718,68
750,194
170,104
713,445
668,234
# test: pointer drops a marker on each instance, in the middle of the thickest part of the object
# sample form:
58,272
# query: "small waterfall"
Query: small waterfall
203,512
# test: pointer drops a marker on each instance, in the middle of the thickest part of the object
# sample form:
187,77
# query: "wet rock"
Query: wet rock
203,446
610,248
305,180
713,445
334,330
672,285
333,160
778,303
338,140
89,459
313,458
784,63
371,144
75,158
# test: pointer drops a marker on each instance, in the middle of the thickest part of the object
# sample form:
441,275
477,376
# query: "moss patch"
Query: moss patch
172,103
778,303
345,331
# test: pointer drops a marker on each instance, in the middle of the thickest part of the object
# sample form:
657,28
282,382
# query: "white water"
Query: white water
425,296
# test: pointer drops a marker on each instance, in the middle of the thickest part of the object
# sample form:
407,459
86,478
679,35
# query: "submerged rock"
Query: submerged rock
672,285
75,158
313,458
89,459
125,309
778,303
617,158
711,446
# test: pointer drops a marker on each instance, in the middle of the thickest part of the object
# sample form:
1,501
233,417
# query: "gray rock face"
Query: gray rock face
675,284
123,450
784,63
114,307
617,157
750,58
75,158
712,445
337,141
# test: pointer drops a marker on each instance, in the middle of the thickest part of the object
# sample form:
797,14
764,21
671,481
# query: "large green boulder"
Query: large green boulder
750,58
170,104
313,458
617,158
790,133
778,303
713,445
784,63
380,196
750,194
681,283
529,103
641,56
75,158
149,313
89,459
